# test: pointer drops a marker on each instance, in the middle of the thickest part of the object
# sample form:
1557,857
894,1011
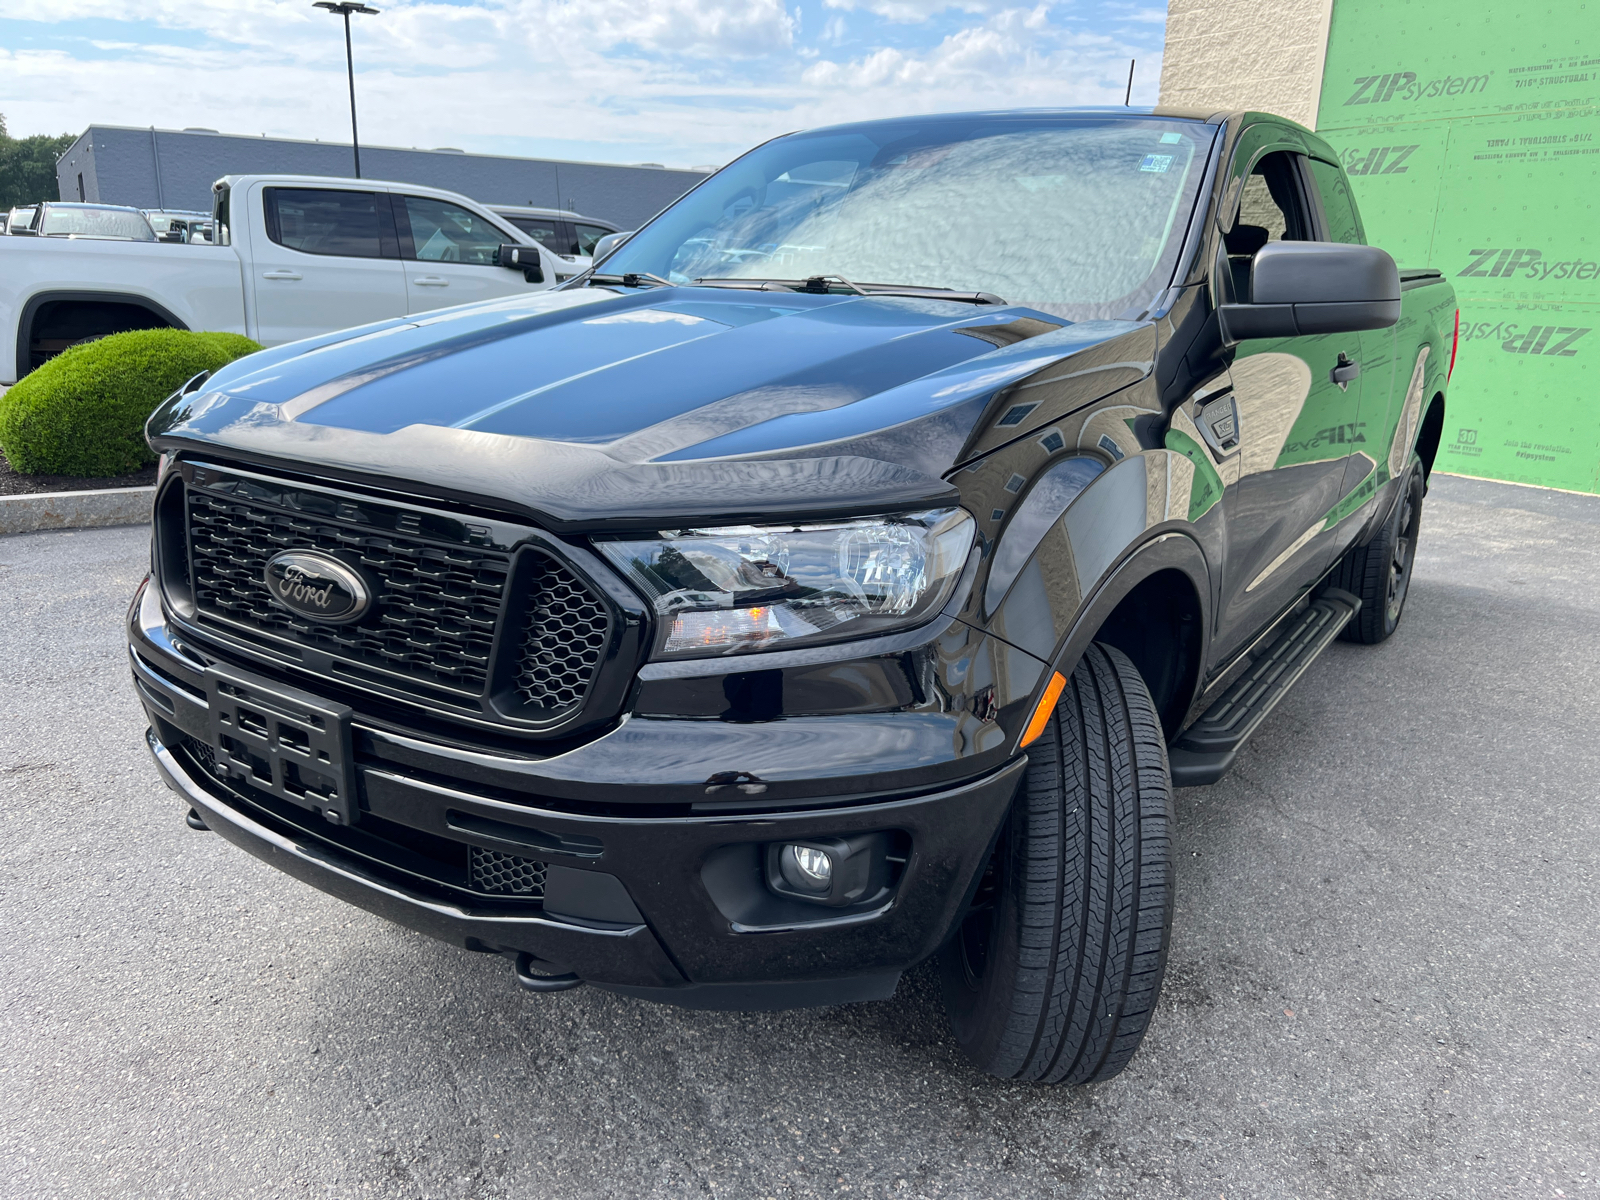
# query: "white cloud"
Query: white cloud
909,11
1016,58
428,31
675,81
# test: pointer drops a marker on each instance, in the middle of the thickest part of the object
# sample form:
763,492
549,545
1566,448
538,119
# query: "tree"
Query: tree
28,167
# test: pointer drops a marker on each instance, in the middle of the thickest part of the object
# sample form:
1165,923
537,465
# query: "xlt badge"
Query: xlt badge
317,586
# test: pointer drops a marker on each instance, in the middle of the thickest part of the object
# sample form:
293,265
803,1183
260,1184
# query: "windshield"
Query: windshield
1076,215
115,223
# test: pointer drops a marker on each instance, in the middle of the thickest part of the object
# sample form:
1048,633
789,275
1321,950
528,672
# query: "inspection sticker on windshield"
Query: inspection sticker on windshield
1171,139
1156,162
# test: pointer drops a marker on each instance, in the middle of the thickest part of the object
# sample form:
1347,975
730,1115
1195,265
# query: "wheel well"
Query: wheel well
1429,434
1159,626
52,323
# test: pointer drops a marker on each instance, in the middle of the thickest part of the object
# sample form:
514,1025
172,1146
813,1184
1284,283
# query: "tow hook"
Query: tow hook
543,983
194,821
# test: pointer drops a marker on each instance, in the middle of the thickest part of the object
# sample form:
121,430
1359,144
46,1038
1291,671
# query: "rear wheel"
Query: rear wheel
1380,571
1054,974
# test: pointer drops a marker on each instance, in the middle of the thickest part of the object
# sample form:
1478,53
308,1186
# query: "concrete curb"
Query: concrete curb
75,510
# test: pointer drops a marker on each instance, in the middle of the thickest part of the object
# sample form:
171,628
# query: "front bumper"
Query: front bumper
677,907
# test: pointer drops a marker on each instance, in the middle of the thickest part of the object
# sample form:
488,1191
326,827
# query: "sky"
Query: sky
678,82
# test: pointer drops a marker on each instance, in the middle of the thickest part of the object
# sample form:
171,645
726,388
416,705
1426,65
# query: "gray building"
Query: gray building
169,168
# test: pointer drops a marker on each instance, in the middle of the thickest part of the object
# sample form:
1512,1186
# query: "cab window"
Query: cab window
444,232
327,221
549,234
588,235
1272,208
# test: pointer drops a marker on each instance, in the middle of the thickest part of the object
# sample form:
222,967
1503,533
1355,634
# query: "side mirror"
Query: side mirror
607,244
522,258
1299,288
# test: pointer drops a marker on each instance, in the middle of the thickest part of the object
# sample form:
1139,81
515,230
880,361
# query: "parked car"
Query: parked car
19,221
5,219
294,257
569,235
94,222
177,225
843,576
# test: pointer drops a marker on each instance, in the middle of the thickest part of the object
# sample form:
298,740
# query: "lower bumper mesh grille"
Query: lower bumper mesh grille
506,874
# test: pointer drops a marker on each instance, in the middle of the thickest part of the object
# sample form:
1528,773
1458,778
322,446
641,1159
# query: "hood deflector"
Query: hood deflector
570,488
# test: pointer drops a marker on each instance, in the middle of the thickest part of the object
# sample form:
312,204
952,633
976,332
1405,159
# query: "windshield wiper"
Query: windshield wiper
820,285
632,279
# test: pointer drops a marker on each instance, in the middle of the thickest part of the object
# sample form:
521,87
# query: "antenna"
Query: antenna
1127,100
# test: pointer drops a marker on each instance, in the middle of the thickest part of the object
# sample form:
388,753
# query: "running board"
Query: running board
1204,751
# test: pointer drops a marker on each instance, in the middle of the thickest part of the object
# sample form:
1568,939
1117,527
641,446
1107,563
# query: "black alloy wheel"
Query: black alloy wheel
1380,571
1054,974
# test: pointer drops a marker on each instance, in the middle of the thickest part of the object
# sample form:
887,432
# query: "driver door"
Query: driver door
451,255
324,259
1297,422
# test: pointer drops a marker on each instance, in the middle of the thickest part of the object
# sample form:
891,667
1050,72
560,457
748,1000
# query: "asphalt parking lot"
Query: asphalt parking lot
1383,980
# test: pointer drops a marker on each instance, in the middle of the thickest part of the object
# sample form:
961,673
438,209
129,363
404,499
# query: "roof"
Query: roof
323,181
523,210
96,206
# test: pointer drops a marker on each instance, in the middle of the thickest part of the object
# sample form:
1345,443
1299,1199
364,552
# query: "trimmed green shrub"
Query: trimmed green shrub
83,412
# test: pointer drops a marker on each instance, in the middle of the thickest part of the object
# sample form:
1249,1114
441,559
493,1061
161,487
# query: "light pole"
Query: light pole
344,9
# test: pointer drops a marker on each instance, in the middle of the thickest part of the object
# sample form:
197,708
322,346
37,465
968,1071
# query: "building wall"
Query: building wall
1471,133
175,169
1472,138
1252,54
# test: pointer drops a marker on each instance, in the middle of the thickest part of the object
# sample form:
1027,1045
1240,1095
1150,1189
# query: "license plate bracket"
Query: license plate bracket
284,741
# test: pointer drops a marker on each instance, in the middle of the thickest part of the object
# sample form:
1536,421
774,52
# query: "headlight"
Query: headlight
755,587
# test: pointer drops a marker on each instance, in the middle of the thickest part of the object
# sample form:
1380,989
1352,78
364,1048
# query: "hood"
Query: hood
591,407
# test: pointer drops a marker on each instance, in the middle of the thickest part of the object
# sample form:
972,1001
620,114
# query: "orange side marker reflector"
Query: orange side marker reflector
1047,705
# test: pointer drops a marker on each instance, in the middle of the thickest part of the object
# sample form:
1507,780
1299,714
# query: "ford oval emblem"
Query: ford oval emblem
317,586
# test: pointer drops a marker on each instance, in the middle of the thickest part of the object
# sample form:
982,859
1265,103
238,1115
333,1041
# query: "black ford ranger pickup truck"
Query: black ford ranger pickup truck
841,573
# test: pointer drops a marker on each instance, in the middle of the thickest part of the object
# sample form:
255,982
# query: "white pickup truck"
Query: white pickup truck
294,256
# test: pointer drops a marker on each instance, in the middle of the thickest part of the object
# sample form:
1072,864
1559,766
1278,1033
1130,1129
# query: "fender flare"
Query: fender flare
31,306
1167,550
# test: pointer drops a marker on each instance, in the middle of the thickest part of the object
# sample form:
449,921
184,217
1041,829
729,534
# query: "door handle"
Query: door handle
1345,371
280,273
431,281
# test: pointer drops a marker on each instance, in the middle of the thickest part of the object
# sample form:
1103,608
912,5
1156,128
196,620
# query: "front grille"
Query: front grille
435,610
439,587
506,874
563,640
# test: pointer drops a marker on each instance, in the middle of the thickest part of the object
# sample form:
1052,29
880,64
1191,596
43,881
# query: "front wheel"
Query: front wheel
1380,571
1053,975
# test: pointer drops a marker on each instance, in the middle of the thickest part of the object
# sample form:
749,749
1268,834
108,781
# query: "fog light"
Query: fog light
833,871
807,867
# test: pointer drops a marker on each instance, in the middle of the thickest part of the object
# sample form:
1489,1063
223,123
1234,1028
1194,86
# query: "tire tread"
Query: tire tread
1091,864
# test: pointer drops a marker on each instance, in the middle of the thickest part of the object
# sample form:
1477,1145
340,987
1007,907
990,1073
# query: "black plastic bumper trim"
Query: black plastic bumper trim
629,955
